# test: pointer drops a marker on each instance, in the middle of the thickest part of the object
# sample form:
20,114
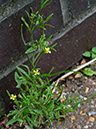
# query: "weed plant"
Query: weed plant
36,103
91,54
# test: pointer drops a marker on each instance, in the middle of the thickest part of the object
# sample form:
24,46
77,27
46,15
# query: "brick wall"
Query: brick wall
75,24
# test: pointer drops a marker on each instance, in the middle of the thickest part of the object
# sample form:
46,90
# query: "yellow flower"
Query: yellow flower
36,72
13,97
47,50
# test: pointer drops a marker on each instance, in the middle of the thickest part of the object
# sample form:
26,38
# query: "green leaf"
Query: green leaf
8,93
75,96
50,106
51,70
25,23
31,112
41,81
48,25
58,108
94,50
31,49
41,27
68,98
75,106
32,122
52,47
31,9
47,3
89,72
94,72
60,116
63,72
48,17
22,71
38,111
60,94
93,55
45,75
17,79
28,15
87,54
88,98
26,66
49,37
11,121
13,112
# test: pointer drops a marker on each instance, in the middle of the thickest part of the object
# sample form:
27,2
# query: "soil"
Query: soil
84,117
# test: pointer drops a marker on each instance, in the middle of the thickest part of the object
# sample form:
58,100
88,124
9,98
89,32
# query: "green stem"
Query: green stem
25,45
37,56
22,35
36,19
33,57
38,60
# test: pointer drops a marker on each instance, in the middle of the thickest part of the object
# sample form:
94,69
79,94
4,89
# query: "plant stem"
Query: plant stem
38,60
37,56
75,70
25,45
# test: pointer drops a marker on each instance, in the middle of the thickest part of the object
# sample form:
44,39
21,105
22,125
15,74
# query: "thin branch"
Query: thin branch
75,70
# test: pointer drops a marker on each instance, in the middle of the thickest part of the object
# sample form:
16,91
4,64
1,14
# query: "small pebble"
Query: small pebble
70,77
78,127
86,78
87,122
78,76
72,90
92,106
87,90
80,87
91,123
85,109
91,119
86,127
94,83
92,101
64,93
85,98
91,113
81,97
83,114
80,112
79,105
67,92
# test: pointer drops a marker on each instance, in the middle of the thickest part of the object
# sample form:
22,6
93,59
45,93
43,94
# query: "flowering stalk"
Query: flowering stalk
35,101
13,97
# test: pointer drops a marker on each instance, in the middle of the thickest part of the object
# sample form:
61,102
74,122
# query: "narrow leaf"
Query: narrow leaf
17,79
25,23
11,121
22,71
31,49
48,17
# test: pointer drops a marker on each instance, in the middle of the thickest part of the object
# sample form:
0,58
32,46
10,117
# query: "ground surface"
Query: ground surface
84,117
